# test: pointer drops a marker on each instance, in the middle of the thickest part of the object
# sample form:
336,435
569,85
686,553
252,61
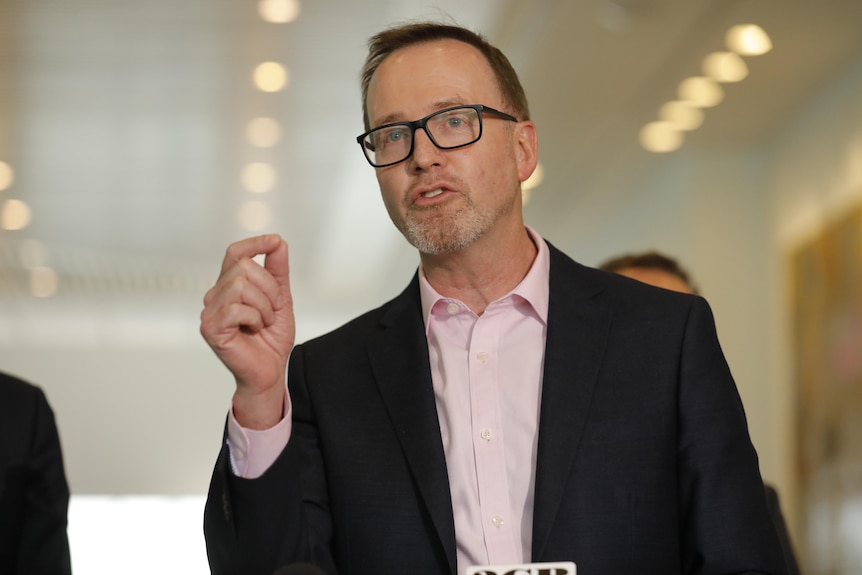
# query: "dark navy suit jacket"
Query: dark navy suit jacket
34,496
644,460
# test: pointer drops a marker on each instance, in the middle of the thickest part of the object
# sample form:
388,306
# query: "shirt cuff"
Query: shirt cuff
252,452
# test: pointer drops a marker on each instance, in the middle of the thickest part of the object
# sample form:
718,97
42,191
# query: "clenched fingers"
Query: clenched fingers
247,295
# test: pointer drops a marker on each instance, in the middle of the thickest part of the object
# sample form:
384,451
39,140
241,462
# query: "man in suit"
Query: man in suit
34,497
661,270
510,405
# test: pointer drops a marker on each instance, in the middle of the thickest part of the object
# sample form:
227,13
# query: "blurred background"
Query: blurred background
139,138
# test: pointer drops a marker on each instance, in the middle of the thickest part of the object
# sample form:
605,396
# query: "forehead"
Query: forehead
420,78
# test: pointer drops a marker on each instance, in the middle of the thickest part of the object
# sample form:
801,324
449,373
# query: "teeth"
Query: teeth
432,193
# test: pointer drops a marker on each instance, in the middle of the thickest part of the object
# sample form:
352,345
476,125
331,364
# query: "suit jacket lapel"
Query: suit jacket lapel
577,332
399,360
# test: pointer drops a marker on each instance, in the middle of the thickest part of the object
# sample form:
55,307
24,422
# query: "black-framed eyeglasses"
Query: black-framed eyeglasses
449,128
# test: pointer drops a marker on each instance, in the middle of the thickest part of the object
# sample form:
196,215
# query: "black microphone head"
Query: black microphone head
299,569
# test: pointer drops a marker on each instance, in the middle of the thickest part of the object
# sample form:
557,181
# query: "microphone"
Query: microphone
558,568
299,569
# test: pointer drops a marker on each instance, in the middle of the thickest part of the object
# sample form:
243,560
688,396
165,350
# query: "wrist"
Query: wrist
259,410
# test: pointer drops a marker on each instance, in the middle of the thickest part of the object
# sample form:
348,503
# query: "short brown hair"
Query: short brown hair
651,260
381,45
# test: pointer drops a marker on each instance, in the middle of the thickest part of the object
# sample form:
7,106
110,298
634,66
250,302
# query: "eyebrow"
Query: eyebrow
438,105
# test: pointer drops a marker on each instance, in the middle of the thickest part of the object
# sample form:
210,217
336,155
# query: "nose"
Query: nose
425,153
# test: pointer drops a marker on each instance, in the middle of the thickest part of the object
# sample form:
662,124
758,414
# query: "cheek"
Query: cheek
504,161
389,191
499,172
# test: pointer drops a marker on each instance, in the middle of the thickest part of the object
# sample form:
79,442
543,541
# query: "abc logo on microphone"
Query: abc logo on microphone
562,568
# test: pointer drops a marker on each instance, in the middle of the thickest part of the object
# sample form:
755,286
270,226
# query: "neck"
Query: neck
483,272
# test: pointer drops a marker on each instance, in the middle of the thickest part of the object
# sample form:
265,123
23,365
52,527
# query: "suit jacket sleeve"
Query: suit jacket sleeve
726,526
34,495
254,526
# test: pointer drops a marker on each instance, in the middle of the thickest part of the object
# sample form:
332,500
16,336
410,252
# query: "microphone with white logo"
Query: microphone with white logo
559,568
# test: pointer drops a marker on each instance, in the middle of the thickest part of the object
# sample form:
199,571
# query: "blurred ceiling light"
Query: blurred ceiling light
31,253
270,76
43,282
660,137
748,40
278,11
683,115
258,177
263,132
531,184
254,215
725,67
701,91
535,178
15,215
6,176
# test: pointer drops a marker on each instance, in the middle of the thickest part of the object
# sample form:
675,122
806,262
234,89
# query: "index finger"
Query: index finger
249,248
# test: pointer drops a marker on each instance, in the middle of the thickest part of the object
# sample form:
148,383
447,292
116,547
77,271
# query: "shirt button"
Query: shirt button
482,356
453,308
486,434
497,521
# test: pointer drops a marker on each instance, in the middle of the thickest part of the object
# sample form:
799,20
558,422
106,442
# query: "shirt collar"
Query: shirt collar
533,289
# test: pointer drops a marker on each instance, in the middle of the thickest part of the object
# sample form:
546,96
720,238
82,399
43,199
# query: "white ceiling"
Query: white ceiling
124,121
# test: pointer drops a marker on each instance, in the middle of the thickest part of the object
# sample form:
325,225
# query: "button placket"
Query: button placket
488,448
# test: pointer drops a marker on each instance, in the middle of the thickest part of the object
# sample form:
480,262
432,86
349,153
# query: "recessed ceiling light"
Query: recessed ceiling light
701,91
270,76
278,11
725,67
44,282
263,132
683,115
748,40
15,215
535,178
258,177
660,137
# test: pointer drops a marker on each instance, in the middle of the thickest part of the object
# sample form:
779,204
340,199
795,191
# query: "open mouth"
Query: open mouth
432,193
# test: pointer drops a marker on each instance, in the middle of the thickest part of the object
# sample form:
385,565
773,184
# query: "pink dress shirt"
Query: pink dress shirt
487,376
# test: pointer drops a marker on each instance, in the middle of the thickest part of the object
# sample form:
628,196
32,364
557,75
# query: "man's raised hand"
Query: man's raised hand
248,321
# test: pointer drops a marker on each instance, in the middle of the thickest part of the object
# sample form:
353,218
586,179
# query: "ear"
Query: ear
526,148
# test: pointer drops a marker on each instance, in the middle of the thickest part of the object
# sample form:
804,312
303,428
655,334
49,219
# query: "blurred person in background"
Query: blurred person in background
34,495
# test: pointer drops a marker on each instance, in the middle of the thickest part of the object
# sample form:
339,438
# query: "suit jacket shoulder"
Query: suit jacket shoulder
34,495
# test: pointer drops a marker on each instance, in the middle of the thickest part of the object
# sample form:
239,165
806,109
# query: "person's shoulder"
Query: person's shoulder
15,389
20,404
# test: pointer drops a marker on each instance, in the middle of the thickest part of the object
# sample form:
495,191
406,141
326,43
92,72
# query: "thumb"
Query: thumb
276,263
